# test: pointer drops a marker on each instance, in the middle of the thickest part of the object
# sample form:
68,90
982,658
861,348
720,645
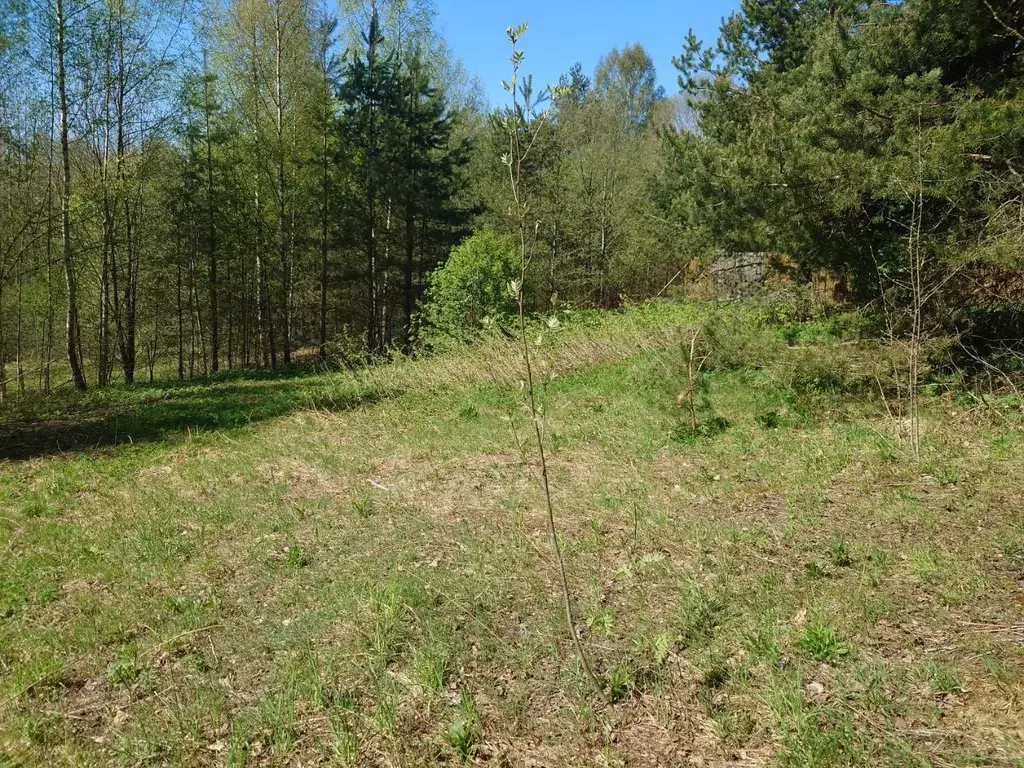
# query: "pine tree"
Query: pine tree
370,98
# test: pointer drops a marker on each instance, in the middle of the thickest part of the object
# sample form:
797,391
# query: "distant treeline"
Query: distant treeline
191,187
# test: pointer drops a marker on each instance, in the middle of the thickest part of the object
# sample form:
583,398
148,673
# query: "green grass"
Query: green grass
346,569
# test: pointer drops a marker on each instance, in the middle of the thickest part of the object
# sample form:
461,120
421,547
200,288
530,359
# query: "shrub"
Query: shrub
470,289
790,303
739,340
863,367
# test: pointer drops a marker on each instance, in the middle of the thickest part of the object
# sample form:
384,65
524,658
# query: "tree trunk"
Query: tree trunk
48,323
74,342
211,231
125,313
18,356
407,293
109,228
324,213
371,198
199,343
151,351
129,350
181,324
267,348
3,345
602,260
264,321
384,322
48,326
371,275
410,228
282,235
231,320
324,197
191,319
552,257
246,318
103,317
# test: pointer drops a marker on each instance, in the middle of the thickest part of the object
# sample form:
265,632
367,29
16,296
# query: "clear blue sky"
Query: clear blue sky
563,32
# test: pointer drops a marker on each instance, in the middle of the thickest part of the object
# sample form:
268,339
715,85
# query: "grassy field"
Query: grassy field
353,569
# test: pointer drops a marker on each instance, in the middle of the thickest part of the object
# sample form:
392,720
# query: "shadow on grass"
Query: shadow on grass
146,413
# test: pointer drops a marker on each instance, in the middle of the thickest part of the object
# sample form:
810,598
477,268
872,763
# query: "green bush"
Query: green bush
740,339
856,368
794,303
471,289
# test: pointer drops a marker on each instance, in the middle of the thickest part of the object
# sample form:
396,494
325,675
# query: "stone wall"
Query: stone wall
736,275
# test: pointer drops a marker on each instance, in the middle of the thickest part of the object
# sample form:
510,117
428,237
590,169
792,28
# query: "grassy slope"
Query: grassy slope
333,570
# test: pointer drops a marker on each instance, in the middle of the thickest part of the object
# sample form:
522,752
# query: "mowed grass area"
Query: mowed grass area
341,569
